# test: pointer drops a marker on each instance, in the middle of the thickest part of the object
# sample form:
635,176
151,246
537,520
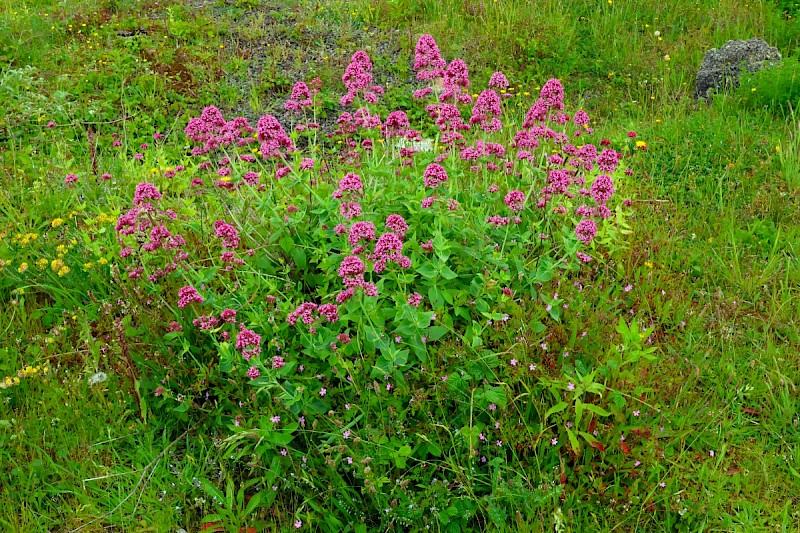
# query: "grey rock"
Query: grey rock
721,66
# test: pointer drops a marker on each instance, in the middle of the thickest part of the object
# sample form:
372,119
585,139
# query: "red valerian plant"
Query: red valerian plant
362,287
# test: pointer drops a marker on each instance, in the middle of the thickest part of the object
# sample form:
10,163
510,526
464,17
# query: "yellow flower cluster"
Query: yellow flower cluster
56,222
9,382
31,371
26,372
58,266
25,239
103,218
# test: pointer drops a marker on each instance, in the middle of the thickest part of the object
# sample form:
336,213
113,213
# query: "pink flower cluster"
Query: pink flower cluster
428,60
300,98
357,78
352,272
515,200
273,137
249,342
187,295
395,125
213,131
145,191
498,80
228,234
308,313
397,224
486,111
448,118
586,231
142,220
388,249
350,182
434,175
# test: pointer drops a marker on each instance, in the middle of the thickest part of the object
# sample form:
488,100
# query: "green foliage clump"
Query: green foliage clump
776,88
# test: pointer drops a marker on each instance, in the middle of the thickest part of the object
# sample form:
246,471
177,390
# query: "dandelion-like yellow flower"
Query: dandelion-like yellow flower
56,222
102,261
641,144
41,263
63,271
22,268
88,266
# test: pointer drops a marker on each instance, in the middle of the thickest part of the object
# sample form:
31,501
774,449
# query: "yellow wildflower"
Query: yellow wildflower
22,268
102,261
63,271
41,263
88,266
61,249
57,222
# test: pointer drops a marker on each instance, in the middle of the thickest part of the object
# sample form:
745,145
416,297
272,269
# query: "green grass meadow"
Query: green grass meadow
109,423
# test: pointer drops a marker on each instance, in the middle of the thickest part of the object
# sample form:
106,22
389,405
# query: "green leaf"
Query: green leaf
428,271
435,296
212,491
447,273
436,332
299,257
496,395
596,409
557,408
573,440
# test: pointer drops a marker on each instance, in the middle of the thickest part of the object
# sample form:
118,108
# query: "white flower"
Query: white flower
99,377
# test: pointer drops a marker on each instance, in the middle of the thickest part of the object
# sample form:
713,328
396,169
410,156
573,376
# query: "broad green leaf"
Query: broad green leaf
557,408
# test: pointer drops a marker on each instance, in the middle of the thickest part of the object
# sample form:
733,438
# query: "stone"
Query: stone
721,66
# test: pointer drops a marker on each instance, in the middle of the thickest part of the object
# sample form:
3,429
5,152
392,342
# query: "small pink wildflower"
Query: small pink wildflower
187,295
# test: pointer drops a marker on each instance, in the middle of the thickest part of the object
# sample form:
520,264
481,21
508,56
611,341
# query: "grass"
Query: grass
712,258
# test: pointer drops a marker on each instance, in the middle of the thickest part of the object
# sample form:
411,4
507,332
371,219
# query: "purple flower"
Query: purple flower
187,295
428,60
586,230
145,191
434,175
602,189
415,299
515,200
498,81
